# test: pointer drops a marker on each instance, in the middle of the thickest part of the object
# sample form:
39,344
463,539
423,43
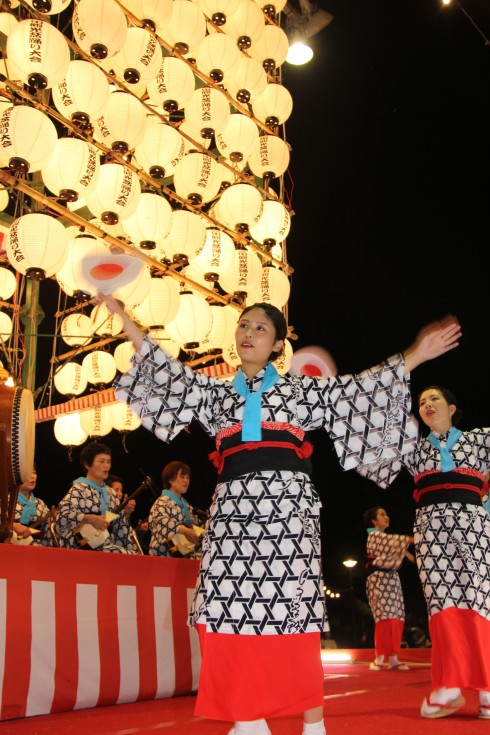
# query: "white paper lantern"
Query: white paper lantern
116,193
247,80
273,287
8,283
186,237
217,255
193,321
245,273
151,220
185,28
163,340
28,138
161,304
208,111
222,332
122,123
36,245
48,7
245,25
99,27
231,356
41,52
270,157
273,225
218,10
82,95
173,85
274,105
238,139
70,380
240,207
153,13
160,150
104,322
122,356
193,141
271,8
216,56
6,327
72,169
97,421
68,430
99,367
77,330
271,48
140,57
197,178
123,418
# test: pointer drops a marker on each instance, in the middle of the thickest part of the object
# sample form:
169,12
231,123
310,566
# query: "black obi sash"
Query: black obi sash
448,487
278,450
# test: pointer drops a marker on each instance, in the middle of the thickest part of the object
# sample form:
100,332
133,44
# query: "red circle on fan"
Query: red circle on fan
106,270
313,362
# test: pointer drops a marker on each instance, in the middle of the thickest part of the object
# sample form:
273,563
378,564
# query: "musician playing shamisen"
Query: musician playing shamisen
82,521
171,514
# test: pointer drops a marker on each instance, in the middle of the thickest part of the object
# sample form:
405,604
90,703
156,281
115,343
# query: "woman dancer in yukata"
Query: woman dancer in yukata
259,603
385,553
452,543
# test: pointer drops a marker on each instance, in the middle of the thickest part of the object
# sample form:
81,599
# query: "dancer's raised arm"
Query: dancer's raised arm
432,341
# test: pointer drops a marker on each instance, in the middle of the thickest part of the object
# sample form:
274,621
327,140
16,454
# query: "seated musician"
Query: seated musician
171,514
82,521
32,518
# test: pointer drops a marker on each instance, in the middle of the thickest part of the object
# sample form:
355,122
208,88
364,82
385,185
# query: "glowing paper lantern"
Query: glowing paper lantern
161,304
218,10
28,138
245,273
40,51
140,57
122,124
271,48
72,169
70,380
216,56
193,321
270,157
197,178
273,225
160,150
48,7
123,418
238,139
185,28
97,421
36,245
163,340
222,332
5,327
99,367
151,220
104,322
245,25
135,292
240,207
153,13
122,356
68,430
7,283
186,237
217,255
99,27
208,111
247,80
77,330
173,85
273,287
116,193
82,95
193,141
274,105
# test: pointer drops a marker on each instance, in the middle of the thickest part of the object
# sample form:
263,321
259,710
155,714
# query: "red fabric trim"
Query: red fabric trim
270,425
388,637
448,486
460,649
218,458
248,677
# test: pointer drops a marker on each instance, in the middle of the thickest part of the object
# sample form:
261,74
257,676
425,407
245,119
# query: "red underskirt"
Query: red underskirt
249,677
388,637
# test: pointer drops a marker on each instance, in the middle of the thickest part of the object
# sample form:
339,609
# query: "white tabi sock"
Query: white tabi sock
484,699
314,728
444,696
379,660
251,727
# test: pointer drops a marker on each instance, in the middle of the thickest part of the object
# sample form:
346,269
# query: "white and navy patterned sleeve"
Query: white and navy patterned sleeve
388,549
163,392
164,519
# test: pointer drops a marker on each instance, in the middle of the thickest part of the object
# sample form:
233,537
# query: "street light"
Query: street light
350,564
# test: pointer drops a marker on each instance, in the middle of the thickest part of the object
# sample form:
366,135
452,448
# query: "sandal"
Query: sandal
375,667
484,713
399,667
440,710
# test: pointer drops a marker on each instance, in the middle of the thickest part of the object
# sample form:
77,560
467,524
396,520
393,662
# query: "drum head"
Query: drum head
17,413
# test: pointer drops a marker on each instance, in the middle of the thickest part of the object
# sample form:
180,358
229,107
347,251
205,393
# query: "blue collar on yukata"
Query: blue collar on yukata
251,431
181,502
101,489
28,507
447,463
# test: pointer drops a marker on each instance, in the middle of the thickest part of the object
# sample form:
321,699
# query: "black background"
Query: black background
389,186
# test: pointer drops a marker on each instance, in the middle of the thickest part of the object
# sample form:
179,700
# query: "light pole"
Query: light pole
350,564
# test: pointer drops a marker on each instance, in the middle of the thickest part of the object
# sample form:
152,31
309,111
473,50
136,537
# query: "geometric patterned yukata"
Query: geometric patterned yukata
82,499
452,543
44,538
163,521
385,554
260,578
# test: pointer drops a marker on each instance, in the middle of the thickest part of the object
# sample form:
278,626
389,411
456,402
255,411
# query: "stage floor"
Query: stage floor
357,702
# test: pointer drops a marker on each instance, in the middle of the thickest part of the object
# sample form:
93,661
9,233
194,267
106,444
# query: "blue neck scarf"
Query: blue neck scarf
181,502
447,463
251,431
102,490
28,508
371,530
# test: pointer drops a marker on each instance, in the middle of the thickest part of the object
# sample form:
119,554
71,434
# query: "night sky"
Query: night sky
389,186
